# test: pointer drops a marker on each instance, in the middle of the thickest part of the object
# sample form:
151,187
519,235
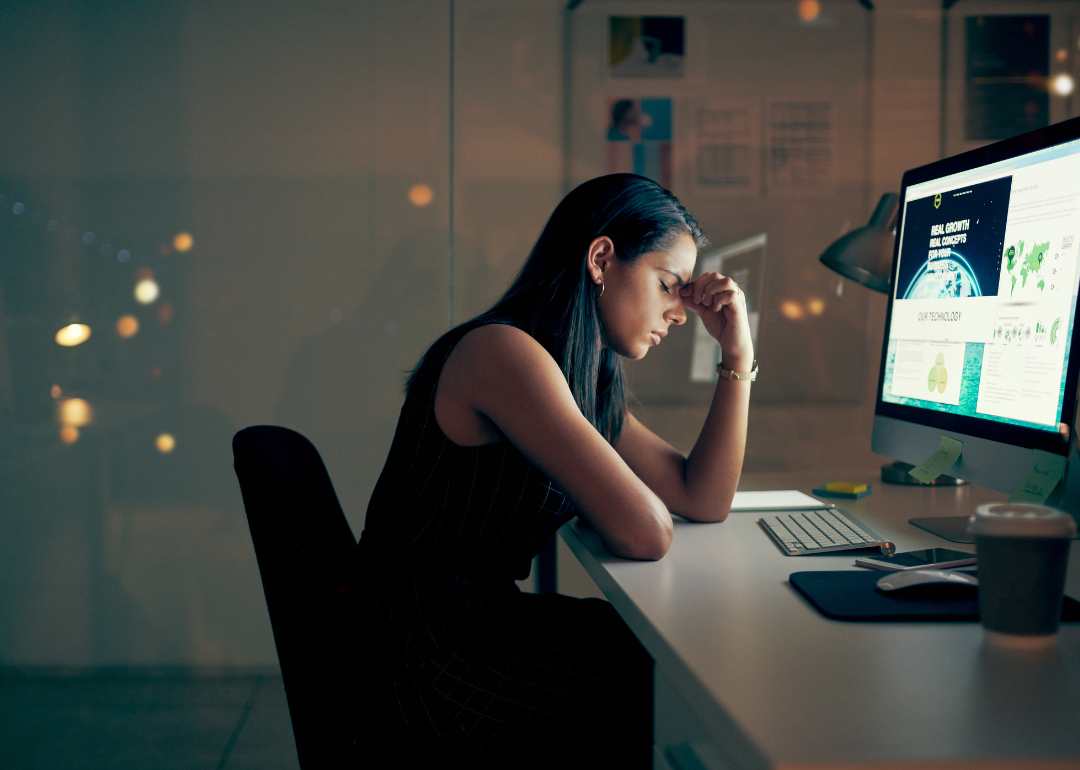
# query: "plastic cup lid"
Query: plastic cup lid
1020,520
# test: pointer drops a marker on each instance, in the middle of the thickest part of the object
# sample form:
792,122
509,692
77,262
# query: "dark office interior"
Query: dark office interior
264,213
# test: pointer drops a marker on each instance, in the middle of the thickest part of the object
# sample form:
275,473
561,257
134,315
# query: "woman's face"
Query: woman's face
641,298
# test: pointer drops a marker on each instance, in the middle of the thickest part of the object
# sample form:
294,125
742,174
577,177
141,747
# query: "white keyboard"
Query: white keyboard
822,531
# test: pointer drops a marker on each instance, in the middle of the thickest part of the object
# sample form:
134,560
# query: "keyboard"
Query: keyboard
822,531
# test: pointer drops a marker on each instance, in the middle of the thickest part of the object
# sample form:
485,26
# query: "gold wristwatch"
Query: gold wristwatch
729,374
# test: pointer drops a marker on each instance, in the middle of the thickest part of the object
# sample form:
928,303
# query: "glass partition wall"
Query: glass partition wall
214,215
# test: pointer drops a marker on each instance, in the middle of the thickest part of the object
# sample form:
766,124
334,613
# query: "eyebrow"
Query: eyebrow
677,276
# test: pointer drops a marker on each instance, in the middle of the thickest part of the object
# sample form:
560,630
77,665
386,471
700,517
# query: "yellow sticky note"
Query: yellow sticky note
939,462
1040,481
846,487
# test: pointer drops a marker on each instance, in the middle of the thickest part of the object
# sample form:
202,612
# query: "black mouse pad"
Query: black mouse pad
853,595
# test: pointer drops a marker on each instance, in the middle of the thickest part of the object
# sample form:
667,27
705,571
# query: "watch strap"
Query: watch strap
731,374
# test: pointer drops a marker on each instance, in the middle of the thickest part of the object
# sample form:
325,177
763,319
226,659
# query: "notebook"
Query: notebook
776,500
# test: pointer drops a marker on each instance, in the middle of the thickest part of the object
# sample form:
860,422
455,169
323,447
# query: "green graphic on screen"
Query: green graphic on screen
1023,267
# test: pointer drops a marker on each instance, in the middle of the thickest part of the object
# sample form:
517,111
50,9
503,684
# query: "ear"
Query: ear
599,258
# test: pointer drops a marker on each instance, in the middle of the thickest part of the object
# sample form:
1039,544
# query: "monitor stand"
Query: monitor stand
952,528
897,473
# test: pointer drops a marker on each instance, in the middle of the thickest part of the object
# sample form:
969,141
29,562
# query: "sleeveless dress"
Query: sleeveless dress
456,656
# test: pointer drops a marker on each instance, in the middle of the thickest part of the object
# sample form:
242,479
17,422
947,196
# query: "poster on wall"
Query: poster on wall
801,154
639,138
727,152
646,46
1008,61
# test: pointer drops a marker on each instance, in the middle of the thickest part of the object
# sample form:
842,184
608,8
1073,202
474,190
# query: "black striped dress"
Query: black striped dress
457,658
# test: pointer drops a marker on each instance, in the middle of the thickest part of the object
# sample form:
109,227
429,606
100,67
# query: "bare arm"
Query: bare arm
701,486
502,375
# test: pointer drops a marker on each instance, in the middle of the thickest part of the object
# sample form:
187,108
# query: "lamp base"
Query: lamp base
897,473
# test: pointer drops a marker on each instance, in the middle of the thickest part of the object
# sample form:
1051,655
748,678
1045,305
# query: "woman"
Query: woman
513,423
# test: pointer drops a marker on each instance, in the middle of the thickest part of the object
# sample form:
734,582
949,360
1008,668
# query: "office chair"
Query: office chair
305,548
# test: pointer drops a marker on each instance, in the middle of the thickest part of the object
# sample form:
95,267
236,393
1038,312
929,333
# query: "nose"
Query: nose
676,315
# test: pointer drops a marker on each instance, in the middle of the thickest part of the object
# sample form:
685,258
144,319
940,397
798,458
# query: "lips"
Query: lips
657,336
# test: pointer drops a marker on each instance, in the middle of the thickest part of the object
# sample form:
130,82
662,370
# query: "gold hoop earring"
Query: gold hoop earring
600,293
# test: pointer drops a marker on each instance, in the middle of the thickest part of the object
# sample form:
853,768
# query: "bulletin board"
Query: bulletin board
758,120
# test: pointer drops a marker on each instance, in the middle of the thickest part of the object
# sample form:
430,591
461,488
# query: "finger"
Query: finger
699,284
722,291
690,304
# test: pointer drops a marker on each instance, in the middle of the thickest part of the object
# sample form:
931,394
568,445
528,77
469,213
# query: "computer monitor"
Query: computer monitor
979,335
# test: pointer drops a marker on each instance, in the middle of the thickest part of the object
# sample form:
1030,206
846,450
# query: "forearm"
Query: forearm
711,472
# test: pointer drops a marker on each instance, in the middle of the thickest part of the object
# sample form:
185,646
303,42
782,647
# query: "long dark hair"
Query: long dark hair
553,298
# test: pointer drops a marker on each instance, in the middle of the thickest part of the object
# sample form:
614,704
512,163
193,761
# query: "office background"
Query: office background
265,212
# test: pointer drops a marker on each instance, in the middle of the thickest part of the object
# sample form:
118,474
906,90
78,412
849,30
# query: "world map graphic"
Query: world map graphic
1024,266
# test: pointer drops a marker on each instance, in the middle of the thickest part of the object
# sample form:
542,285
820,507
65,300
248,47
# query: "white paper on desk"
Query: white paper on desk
776,500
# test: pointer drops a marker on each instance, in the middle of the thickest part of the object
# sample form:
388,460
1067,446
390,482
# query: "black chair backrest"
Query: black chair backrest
305,549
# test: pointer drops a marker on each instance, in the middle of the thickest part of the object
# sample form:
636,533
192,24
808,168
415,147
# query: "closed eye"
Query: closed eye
667,289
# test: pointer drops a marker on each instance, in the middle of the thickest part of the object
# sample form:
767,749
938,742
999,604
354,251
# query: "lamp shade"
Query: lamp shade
865,255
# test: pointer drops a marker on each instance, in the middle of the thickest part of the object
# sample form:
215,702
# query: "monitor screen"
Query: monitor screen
983,296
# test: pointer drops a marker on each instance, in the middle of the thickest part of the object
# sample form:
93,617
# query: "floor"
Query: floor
135,718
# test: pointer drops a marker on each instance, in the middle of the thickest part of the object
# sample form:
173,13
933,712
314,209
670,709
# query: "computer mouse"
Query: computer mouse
913,578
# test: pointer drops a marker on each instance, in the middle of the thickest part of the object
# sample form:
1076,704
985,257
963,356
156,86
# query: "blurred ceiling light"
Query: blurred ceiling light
183,241
69,434
165,443
146,291
72,335
809,9
792,310
1062,84
421,195
815,306
75,411
1061,55
127,326
55,391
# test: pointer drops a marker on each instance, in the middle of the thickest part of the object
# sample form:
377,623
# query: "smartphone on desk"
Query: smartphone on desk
928,558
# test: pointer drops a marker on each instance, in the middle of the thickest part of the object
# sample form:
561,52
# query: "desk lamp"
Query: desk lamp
865,256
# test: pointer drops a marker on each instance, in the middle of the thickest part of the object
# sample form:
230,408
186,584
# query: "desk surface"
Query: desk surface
778,685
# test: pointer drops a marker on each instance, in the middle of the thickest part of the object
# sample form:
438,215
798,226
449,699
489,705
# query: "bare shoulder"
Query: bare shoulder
500,353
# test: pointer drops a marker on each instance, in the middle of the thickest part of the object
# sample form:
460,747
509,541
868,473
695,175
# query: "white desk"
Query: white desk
749,675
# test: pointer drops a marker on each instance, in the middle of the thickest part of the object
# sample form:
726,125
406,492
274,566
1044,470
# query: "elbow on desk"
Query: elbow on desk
646,545
706,515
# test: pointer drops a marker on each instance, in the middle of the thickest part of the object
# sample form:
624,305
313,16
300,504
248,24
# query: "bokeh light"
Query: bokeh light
1062,84
72,335
809,9
127,326
18,208
183,241
1061,55
123,255
55,391
165,443
75,411
792,310
88,238
146,291
815,306
52,225
165,313
69,434
421,194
